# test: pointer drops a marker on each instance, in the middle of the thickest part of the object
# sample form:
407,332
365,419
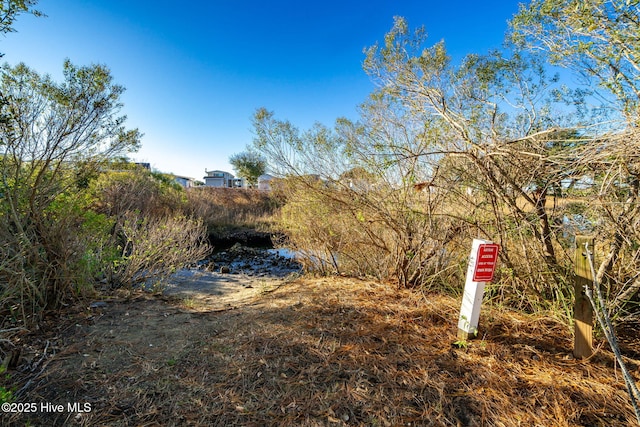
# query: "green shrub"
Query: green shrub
6,394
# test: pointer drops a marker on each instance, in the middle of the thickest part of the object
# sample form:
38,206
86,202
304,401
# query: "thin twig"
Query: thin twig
44,366
5,331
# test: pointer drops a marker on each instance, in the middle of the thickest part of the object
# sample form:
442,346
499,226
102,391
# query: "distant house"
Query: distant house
185,181
264,182
222,179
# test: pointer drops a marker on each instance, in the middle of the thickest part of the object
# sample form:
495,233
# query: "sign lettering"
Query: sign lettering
486,262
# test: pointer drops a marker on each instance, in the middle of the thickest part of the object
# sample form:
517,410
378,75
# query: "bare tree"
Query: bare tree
599,41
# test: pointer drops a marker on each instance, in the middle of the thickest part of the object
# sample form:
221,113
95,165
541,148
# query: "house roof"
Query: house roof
210,173
188,178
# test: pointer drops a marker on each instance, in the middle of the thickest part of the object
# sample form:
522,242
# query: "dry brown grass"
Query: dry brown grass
223,209
317,352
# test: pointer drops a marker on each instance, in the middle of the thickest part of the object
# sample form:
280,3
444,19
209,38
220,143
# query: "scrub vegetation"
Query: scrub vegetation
381,212
495,147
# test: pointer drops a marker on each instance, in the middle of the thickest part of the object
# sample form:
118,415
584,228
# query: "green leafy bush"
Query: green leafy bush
6,395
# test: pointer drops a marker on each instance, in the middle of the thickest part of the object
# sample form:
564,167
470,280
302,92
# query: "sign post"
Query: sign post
482,263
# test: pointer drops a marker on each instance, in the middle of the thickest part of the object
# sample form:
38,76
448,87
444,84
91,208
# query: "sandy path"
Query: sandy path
216,291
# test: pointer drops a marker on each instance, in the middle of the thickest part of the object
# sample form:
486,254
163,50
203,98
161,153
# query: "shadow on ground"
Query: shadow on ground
312,352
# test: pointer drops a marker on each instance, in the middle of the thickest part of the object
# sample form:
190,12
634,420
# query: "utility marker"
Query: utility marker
482,264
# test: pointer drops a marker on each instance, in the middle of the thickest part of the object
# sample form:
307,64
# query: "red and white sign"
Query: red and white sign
486,260
482,264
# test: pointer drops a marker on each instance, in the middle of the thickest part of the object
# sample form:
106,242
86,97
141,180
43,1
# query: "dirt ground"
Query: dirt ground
306,352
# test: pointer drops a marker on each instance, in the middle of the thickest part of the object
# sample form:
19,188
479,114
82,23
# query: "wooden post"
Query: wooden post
583,312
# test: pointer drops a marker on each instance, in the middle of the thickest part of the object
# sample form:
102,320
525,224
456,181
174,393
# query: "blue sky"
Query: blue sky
196,71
